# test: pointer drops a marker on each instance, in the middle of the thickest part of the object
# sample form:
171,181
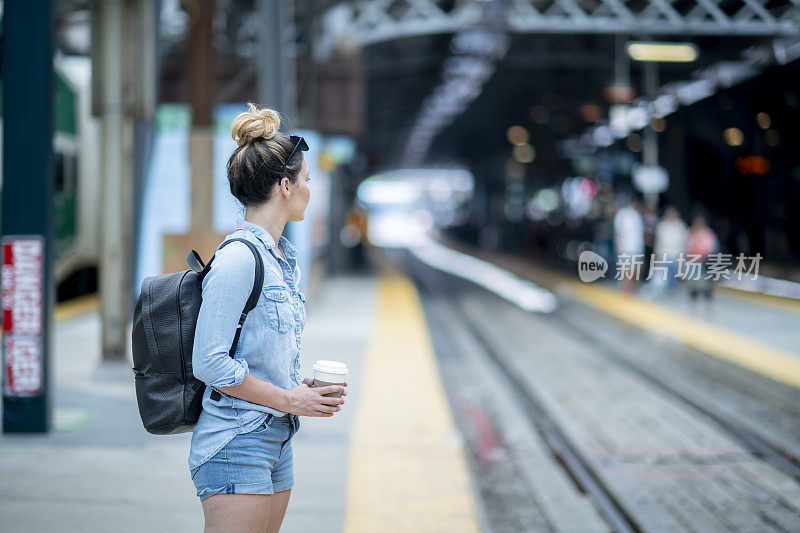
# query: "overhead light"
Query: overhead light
733,136
618,120
602,136
524,153
694,91
517,135
663,52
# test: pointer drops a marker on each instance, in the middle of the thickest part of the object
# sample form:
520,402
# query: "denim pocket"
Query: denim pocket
278,308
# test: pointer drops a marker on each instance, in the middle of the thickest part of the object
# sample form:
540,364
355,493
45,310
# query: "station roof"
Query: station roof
542,83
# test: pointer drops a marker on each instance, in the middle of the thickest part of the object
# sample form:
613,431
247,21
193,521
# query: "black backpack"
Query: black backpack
164,321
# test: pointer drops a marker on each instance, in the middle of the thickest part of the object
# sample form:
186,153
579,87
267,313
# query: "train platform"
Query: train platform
607,411
752,330
391,460
466,411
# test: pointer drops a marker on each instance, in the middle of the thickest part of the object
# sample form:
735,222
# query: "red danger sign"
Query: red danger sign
22,296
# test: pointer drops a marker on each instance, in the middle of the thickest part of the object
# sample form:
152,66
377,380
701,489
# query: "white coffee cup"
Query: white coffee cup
330,373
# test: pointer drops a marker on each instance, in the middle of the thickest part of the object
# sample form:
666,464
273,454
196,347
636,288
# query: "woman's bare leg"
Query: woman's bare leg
237,513
280,500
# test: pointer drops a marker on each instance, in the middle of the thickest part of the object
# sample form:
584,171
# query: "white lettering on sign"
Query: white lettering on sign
22,290
23,365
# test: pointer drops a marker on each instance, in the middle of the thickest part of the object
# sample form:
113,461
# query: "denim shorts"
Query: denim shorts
257,462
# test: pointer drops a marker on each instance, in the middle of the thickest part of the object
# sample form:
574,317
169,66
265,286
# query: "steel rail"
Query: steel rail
579,470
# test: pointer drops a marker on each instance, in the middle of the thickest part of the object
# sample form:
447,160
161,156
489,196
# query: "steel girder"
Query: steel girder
365,22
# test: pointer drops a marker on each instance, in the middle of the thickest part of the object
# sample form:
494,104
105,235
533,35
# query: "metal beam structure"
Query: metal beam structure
365,22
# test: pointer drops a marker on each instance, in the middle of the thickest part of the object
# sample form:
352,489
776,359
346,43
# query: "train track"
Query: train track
780,458
579,469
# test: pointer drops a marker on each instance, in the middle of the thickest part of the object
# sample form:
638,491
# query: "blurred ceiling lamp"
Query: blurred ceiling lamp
619,94
618,120
636,117
546,200
375,191
662,52
524,153
517,135
591,113
602,136
733,136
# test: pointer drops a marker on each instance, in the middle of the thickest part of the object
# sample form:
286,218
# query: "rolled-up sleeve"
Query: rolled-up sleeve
226,288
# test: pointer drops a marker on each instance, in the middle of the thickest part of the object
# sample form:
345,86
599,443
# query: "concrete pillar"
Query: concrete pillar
116,180
276,70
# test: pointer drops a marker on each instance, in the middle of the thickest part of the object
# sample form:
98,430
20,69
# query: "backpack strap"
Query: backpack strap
195,261
258,283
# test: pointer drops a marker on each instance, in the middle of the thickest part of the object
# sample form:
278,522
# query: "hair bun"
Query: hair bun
257,123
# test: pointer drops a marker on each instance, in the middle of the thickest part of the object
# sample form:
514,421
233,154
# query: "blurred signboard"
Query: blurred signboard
23,294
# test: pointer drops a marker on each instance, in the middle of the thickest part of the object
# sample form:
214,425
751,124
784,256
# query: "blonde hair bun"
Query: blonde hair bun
257,123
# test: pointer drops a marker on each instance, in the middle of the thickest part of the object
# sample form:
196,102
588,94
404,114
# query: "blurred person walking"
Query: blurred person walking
670,245
603,236
650,221
629,243
701,242
354,236
240,457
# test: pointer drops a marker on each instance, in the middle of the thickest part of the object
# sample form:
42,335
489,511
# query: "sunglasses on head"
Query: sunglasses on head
299,144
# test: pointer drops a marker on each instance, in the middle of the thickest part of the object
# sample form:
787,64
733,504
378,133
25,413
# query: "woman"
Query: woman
241,455
671,238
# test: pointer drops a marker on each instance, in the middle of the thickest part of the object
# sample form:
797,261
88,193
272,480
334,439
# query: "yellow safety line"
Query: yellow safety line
716,341
77,307
720,342
407,470
771,300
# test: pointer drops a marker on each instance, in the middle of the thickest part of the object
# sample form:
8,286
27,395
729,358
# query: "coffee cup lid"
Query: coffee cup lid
331,367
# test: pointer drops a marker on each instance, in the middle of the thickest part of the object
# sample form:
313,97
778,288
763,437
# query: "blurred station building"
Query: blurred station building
552,108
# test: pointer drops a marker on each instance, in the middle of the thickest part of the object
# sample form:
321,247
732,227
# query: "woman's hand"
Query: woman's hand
310,383
305,400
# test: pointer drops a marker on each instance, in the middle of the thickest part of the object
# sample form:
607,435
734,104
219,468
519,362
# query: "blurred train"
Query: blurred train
77,178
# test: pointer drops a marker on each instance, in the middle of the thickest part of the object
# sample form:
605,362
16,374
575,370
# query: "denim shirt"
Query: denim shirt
269,344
